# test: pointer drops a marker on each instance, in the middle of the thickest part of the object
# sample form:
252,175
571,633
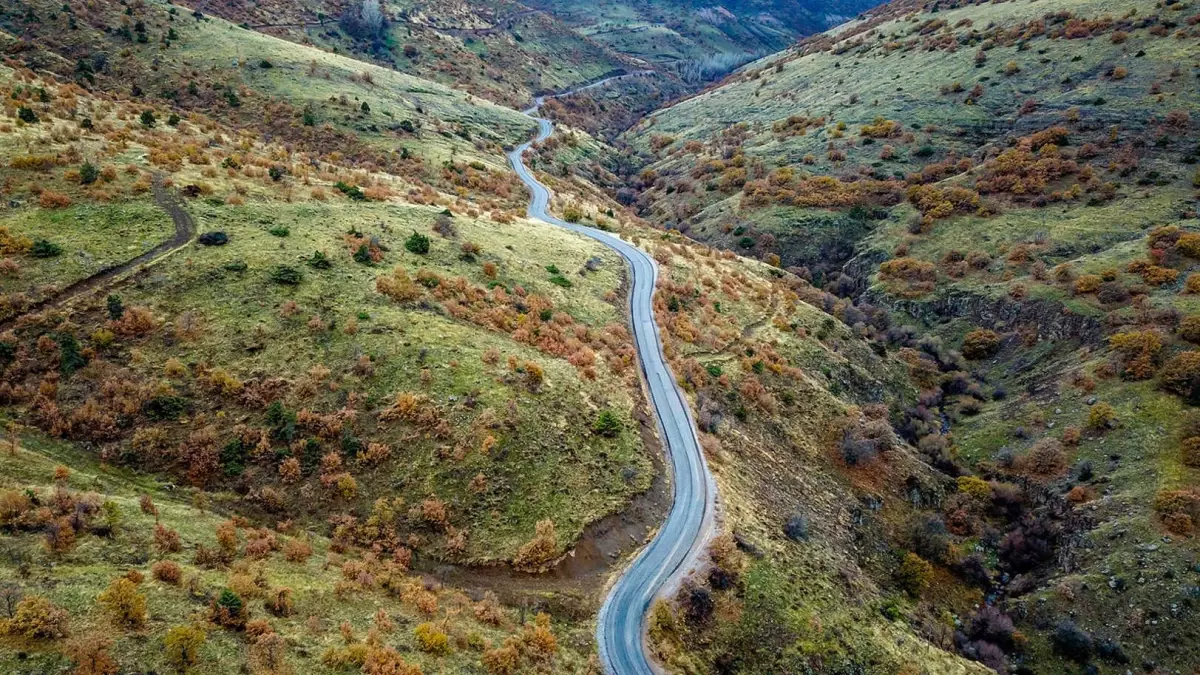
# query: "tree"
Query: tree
229,610
124,603
182,645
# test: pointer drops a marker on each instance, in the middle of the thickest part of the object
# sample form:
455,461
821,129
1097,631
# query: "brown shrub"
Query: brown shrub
1046,458
167,571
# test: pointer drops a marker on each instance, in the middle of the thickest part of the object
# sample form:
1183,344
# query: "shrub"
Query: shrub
1181,375
228,610
215,238
796,527
417,243
167,540
36,618
286,275
1178,509
90,654
182,646
1072,641
1101,416
167,571
1190,448
1139,350
914,574
88,174
607,424
430,639
980,343
148,119
279,231
45,249
124,603
1088,283
541,548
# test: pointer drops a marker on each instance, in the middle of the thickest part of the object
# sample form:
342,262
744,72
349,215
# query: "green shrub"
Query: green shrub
115,307
280,230
43,248
319,261
88,174
147,118
417,243
286,275
27,115
607,424
350,191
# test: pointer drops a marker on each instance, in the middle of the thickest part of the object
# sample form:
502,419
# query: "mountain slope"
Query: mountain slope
676,32
1016,181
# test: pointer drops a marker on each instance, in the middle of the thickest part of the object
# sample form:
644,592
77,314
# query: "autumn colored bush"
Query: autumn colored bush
540,549
1045,459
167,571
182,644
1181,375
1138,351
124,603
1178,509
430,639
1101,416
980,343
914,574
50,199
36,618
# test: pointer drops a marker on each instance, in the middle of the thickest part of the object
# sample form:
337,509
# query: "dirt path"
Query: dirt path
185,229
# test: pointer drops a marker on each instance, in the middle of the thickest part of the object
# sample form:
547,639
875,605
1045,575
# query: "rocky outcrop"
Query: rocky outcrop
1051,320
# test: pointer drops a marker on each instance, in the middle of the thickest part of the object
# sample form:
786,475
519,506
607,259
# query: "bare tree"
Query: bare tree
372,17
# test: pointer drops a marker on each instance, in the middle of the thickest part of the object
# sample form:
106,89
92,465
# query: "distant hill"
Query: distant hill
690,33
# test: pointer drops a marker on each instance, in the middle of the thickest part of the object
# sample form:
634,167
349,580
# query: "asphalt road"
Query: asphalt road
622,622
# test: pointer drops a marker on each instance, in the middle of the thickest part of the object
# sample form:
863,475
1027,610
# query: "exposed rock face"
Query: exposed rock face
1050,319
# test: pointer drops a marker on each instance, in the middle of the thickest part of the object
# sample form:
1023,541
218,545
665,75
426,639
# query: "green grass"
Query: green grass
549,438
93,237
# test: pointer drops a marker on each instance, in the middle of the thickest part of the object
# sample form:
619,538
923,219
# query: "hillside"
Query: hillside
500,50
697,40
1017,182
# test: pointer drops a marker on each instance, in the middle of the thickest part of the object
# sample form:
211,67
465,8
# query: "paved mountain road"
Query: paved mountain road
622,619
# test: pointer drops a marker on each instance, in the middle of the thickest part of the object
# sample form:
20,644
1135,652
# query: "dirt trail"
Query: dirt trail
185,229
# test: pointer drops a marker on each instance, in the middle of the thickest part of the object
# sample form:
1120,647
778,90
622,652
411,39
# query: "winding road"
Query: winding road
622,622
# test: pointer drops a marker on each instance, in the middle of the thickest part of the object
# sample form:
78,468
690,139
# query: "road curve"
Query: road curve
621,626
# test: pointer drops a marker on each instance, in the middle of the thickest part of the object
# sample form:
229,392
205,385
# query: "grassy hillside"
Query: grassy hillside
378,360
1017,181
313,99
503,51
